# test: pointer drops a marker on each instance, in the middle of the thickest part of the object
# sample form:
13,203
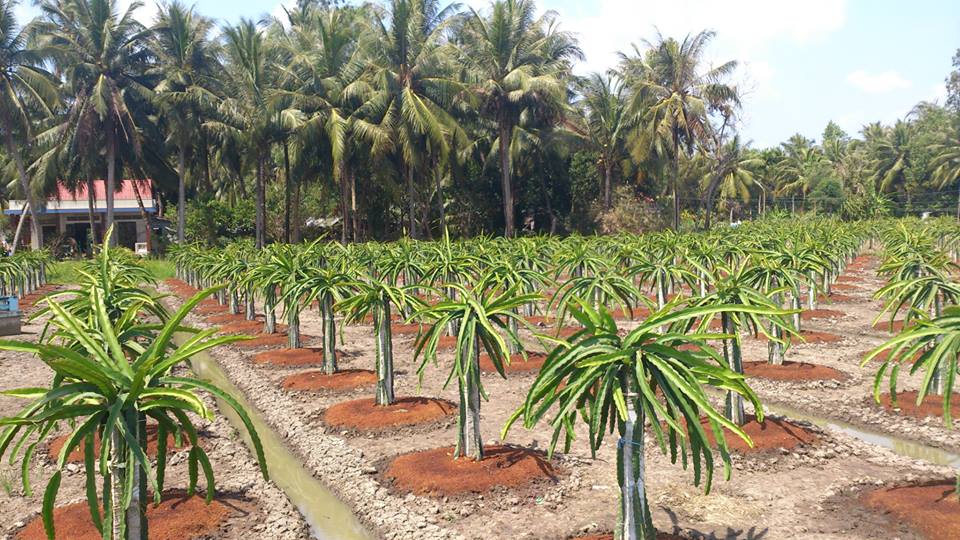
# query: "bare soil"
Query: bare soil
812,314
76,456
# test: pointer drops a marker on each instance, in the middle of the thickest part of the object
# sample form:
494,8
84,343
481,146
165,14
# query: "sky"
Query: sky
801,63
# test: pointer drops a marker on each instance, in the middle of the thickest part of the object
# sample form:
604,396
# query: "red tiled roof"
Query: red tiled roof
125,193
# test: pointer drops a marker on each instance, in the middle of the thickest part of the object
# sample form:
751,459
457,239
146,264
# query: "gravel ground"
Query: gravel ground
806,493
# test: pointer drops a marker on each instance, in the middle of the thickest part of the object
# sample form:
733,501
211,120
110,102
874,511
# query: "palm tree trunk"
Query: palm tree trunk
353,206
505,178
111,178
182,194
607,182
384,354
470,442
411,203
16,235
344,203
261,205
14,153
91,214
443,211
634,519
296,214
329,335
676,181
733,410
286,192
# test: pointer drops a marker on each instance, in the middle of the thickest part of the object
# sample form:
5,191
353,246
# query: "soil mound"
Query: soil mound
242,327
811,314
813,337
660,536
268,340
435,472
291,357
408,329
532,364
887,326
835,298
178,517
882,357
313,381
932,405
210,309
226,318
792,371
76,456
639,313
771,434
845,287
366,415
541,320
931,508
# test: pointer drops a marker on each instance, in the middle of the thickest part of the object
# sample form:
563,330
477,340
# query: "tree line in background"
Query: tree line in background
407,117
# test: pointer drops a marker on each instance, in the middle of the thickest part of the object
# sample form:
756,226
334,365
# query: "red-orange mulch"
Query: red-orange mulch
313,381
882,357
850,279
835,298
532,364
932,404
177,517
816,338
408,329
564,331
886,326
792,371
845,287
365,414
242,327
638,313
210,309
435,472
226,318
811,314
542,320
268,340
769,435
931,508
76,456
291,357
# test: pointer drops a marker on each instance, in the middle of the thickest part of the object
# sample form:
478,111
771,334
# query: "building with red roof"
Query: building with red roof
65,215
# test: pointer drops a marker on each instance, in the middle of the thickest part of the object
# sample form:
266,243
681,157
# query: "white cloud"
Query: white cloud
745,28
878,83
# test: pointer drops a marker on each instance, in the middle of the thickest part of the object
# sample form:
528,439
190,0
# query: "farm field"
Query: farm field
379,422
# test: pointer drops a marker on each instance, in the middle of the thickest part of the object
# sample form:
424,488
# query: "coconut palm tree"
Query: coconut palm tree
518,62
672,96
188,67
103,57
412,91
246,120
607,123
26,89
647,377
733,177
946,164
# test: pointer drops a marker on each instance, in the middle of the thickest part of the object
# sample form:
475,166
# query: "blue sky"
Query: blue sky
803,63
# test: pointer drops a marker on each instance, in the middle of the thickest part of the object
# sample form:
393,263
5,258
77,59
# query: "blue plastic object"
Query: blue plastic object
9,304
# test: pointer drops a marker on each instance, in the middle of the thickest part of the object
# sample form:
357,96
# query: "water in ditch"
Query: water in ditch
329,518
904,447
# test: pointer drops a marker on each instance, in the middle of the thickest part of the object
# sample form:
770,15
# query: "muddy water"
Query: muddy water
904,447
328,517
